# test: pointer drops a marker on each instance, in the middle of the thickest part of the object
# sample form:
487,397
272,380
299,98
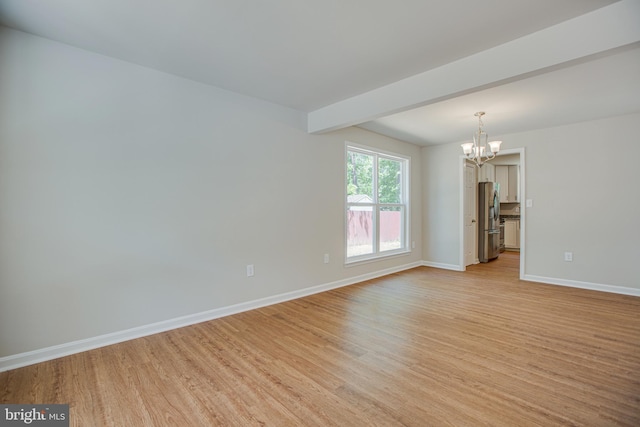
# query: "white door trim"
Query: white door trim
523,208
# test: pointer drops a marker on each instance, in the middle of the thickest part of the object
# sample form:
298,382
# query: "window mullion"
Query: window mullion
376,208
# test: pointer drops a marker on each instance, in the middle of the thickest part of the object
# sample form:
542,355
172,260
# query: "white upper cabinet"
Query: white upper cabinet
487,173
514,183
502,178
508,177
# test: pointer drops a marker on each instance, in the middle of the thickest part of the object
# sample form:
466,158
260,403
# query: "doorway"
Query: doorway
514,204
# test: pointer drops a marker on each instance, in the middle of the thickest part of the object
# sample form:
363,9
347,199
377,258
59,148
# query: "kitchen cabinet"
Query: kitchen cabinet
514,183
502,178
508,176
487,173
512,234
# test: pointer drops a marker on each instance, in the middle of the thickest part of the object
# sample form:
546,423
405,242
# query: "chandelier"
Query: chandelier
480,150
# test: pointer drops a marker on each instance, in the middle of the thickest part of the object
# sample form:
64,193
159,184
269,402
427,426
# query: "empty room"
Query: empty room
358,213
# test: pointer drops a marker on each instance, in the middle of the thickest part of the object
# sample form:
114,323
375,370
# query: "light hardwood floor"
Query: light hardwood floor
422,347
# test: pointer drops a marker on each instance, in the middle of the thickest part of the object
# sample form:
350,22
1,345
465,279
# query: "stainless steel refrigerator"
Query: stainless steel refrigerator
488,221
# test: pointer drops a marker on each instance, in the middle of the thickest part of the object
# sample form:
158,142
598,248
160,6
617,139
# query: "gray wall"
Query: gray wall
582,179
129,196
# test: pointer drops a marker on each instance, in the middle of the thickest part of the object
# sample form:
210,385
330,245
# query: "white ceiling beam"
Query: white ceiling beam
602,30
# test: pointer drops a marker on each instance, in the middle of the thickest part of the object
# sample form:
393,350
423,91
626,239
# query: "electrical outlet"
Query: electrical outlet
568,256
413,244
326,258
250,271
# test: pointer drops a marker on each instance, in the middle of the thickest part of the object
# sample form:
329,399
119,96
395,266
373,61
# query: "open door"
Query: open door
470,214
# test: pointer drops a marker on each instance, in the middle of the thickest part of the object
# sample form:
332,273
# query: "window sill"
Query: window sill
376,257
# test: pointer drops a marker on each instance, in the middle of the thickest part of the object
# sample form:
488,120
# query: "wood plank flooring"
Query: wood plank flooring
425,347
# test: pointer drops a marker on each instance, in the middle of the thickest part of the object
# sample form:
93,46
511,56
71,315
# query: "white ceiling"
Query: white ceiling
309,55
599,88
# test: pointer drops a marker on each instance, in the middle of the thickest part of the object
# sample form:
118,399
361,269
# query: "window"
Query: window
377,204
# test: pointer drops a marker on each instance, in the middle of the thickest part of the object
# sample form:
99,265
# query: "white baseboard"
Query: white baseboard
66,349
454,267
583,285
54,352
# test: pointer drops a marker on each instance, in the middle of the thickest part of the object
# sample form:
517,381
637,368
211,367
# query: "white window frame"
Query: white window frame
405,162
